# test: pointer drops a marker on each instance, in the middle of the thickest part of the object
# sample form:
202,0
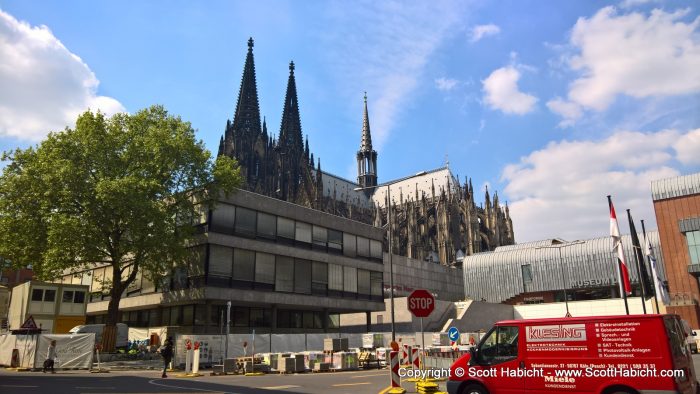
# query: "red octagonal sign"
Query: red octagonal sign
421,303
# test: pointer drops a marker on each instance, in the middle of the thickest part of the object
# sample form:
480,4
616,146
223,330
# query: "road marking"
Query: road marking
95,387
368,376
16,385
350,384
386,390
289,386
170,386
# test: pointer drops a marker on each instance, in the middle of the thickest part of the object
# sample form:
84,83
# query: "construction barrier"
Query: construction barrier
394,370
415,358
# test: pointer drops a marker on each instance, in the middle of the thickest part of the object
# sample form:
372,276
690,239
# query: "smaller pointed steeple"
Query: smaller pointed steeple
366,144
221,146
366,156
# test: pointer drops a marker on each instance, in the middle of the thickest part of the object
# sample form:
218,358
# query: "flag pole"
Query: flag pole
620,274
637,254
646,242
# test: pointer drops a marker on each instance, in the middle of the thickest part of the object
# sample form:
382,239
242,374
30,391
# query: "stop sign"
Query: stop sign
421,303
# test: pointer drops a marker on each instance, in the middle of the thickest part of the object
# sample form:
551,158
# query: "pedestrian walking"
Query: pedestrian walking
166,351
50,357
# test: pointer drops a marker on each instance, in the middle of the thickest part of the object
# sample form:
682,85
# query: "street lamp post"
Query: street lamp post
561,265
390,237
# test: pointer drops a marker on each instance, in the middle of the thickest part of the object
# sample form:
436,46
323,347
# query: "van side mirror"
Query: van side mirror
473,353
694,334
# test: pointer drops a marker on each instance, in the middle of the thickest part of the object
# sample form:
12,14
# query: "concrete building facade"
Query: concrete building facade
543,271
677,207
284,267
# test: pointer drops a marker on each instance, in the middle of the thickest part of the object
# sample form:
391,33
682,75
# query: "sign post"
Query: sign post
453,335
421,304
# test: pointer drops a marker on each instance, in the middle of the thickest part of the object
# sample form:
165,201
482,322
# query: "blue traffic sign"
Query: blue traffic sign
453,334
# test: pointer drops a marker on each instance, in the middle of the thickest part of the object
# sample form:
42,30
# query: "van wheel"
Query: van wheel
475,389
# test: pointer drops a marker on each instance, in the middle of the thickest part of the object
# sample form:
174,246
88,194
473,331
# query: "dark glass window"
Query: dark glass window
259,317
245,221
175,317
240,317
349,245
296,319
49,295
188,315
302,276
350,279
308,320
243,265
375,249
500,345
283,319
37,294
319,278
335,241
285,228
284,274
222,218
363,247
79,297
220,260
267,225
320,237
693,240
363,282
303,233
265,268
335,277
375,279
67,296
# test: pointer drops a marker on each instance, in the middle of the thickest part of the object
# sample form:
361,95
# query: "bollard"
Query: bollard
195,361
188,361
394,373
415,358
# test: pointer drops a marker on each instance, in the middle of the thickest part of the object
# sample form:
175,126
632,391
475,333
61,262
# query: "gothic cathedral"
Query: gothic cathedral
434,217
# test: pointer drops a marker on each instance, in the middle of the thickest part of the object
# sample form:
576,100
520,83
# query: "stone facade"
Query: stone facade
434,217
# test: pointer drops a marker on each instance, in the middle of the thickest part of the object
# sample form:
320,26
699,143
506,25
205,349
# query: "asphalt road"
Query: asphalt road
352,382
148,381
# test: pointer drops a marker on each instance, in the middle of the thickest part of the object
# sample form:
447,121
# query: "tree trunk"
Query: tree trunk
109,335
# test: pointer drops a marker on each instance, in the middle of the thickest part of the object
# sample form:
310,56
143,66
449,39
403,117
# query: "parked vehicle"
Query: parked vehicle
122,333
610,355
692,337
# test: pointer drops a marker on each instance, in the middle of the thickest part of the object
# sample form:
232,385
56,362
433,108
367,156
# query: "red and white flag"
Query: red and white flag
617,248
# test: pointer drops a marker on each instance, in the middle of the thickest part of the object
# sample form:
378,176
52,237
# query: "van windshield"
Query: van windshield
499,345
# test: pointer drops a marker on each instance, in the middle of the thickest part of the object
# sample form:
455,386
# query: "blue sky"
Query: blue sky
553,104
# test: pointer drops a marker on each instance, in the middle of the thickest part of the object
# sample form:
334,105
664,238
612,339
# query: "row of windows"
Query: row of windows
188,315
246,268
230,219
693,240
48,295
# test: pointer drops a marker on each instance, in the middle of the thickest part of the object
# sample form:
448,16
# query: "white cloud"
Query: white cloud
688,148
501,92
445,84
559,191
44,85
386,45
638,55
566,109
635,3
481,31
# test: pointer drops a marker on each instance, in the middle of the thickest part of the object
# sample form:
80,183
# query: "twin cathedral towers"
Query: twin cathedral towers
434,217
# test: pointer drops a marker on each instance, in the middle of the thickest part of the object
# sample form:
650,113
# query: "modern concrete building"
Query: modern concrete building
55,307
677,206
542,271
286,269
4,307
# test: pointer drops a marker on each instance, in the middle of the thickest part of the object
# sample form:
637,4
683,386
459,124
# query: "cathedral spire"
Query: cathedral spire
366,156
247,116
366,144
290,129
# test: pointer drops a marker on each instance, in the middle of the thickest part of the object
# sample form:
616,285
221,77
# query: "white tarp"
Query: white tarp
25,345
72,350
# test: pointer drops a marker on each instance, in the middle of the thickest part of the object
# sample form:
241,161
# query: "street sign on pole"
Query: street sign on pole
421,303
453,334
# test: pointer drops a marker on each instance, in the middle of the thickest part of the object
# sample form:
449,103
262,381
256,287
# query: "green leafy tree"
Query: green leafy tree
119,191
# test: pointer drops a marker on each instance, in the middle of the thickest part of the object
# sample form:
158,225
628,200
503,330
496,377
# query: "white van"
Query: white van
122,333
